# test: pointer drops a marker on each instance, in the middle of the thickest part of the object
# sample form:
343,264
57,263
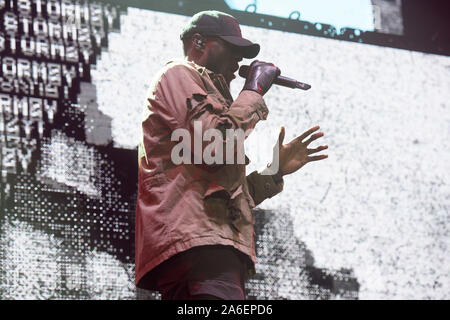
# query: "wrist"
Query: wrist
277,176
253,90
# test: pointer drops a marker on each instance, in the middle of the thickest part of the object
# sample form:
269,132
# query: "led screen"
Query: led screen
370,222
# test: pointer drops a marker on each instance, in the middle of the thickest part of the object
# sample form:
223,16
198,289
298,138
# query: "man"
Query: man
194,224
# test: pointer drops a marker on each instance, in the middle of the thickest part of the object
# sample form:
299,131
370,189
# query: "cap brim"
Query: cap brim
249,49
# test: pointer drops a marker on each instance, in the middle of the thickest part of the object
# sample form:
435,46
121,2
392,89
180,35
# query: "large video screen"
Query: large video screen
370,222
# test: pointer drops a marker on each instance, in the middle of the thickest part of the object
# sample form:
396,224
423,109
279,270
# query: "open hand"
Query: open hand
295,154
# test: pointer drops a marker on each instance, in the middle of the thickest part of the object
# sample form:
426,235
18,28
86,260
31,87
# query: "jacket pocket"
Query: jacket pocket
222,205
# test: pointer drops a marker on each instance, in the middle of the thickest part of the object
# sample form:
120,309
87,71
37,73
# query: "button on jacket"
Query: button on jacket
180,206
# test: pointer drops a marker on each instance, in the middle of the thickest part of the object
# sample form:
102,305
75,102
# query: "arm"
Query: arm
182,101
184,94
287,159
262,186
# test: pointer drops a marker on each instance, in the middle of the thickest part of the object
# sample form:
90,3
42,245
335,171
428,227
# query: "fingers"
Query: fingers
281,136
318,149
315,150
314,137
307,133
315,158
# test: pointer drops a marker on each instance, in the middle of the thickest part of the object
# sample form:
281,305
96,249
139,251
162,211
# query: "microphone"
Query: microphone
280,80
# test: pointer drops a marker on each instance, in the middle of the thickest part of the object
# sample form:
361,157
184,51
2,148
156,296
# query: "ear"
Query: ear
198,42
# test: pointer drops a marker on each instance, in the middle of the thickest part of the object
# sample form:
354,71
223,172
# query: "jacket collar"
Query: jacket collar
217,79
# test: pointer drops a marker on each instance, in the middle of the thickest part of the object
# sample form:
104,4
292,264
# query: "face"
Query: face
222,57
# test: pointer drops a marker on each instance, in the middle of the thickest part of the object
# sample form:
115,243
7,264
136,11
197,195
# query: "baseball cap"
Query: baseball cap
219,24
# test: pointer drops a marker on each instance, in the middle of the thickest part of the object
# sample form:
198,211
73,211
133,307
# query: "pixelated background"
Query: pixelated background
370,222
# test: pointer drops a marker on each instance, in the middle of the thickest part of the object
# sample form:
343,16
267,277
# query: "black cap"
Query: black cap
219,24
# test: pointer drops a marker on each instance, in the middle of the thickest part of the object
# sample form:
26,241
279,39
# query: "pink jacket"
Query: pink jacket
187,205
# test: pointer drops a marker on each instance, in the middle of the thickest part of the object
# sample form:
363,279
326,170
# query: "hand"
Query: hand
261,76
295,154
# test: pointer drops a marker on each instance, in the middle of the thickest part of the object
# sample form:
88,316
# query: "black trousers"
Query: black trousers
203,273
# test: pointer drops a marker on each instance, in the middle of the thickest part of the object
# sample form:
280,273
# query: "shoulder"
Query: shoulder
171,69
181,74
176,81
185,68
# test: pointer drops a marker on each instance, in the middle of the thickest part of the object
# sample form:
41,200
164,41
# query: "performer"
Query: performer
194,224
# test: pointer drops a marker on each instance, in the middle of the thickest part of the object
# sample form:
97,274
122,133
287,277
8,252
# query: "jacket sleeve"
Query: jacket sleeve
262,186
186,99
181,99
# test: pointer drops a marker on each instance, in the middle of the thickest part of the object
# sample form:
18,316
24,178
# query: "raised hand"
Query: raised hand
295,154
